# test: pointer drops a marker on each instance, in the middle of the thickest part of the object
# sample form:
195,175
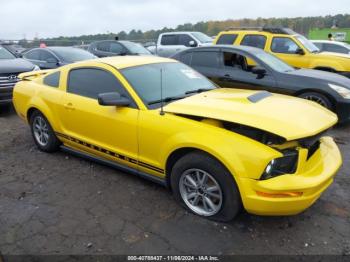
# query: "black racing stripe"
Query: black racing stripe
110,153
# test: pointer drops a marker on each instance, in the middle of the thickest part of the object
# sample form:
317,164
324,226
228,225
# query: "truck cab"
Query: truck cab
289,46
170,43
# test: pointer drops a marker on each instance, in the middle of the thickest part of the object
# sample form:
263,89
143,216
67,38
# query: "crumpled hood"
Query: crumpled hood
16,65
289,117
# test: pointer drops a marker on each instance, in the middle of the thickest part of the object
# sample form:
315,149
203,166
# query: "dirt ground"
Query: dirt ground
60,204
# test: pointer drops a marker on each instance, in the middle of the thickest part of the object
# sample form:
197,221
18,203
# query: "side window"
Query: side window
90,82
227,39
169,40
103,46
33,55
319,45
185,40
205,59
237,61
283,45
53,79
45,55
335,48
116,48
186,58
258,41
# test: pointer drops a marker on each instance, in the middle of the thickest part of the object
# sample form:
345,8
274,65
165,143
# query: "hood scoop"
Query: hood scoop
259,96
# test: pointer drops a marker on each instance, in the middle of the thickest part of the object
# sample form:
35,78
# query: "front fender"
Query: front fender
242,156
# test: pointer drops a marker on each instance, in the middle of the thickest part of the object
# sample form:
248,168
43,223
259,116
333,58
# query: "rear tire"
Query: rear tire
43,134
318,98
205,187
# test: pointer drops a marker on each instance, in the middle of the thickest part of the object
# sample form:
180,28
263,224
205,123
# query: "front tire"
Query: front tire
205,187
318,98
43,134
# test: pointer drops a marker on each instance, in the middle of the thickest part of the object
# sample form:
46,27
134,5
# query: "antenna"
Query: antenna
161,93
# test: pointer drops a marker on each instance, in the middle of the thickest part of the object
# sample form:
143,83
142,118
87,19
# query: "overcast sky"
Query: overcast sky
50,18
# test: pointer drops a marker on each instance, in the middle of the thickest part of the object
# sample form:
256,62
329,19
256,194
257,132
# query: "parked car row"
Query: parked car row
252,68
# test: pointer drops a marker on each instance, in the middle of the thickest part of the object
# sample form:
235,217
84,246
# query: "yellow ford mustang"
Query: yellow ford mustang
215,148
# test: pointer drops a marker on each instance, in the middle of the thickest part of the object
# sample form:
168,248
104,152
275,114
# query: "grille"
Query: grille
8,80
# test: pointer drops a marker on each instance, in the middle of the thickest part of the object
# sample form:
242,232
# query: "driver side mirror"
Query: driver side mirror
113,99
192,43
300,51
259,71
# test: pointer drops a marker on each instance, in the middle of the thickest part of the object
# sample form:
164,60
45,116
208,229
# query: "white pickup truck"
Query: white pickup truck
170,43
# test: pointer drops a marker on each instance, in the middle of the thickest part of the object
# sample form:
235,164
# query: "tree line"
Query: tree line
301,25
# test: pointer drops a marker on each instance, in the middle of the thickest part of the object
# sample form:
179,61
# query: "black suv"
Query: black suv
10,68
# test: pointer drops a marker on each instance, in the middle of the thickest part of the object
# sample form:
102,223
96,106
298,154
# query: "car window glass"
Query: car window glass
177,79
206,59
227,39
116,48
319,45
33,55
258,41
52,79
185,40
91,82
103,46
45,55
186,58
238,61
169,40
335,48
283,45
5,54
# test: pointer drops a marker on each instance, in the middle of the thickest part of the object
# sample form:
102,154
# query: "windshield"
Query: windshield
274,62
311,47
71,55
178,79
203,38
136,48
5,54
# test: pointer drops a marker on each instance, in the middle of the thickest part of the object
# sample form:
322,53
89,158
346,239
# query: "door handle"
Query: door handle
69,106
227,75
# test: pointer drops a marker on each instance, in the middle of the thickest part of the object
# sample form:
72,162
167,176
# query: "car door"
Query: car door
206,62
106,131
286,49
237,72
102,49
168,45
47,60
33,56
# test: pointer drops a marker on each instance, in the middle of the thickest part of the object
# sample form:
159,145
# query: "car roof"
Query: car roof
248,49
178,33
255,32
121,62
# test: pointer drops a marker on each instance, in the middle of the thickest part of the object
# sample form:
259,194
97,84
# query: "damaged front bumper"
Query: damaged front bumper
291,194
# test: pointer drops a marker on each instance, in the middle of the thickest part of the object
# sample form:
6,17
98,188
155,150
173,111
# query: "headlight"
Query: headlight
344,92
36,68
287,164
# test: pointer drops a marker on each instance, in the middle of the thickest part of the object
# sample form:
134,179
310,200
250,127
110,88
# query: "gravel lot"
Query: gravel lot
60,204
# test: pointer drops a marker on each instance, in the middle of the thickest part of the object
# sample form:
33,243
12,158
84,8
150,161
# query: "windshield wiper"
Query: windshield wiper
167,99
200,90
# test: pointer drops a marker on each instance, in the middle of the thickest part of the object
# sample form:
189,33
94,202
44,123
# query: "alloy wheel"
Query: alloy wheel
200,192
41,130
